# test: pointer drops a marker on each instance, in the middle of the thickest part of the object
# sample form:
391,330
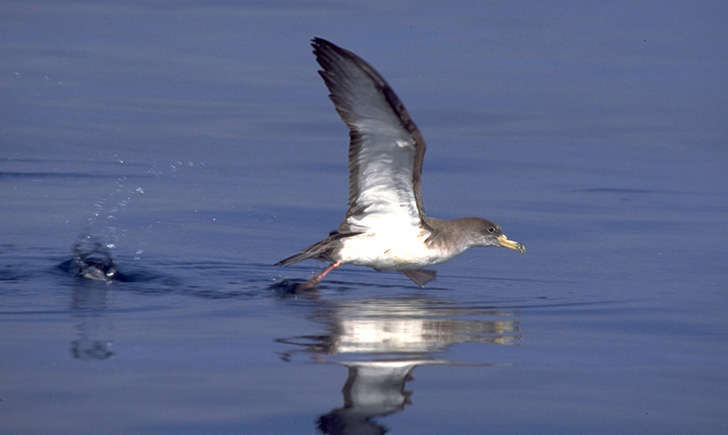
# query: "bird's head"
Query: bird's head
486,233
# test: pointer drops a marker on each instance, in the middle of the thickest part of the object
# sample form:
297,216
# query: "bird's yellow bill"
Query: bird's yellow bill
511,244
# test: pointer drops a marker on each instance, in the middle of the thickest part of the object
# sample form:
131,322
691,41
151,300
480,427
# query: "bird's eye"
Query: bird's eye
491,230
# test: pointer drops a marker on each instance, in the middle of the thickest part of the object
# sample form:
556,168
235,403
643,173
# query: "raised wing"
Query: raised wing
386,149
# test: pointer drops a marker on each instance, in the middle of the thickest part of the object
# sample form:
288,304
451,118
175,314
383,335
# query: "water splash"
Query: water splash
92,259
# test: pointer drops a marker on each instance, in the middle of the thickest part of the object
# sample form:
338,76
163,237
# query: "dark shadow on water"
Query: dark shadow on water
289,288
292,287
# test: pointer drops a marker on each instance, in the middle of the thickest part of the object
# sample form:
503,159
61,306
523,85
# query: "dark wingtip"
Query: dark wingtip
321,46
316,42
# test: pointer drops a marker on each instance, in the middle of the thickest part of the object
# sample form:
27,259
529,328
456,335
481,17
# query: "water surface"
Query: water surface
197,147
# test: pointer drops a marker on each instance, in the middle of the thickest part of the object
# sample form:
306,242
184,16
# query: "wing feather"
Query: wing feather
386,149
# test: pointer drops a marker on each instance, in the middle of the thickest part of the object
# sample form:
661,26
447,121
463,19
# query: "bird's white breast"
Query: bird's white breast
404,249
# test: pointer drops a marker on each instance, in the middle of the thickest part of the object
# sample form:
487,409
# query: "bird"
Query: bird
385,226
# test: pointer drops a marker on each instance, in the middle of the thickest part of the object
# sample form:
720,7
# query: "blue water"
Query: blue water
197,146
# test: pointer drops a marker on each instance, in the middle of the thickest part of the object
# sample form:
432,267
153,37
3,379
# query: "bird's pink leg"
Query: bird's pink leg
316,279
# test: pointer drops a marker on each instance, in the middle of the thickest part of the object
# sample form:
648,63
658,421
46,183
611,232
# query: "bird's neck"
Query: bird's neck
449,234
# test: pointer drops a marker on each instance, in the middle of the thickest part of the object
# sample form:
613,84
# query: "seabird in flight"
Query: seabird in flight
385,226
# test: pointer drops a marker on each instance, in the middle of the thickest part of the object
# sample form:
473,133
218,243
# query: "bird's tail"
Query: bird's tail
295,258
322,250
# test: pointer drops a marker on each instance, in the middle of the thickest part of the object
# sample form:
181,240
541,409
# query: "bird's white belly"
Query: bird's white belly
393,250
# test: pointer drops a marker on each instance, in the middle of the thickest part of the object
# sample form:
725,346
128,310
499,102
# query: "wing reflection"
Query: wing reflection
381,341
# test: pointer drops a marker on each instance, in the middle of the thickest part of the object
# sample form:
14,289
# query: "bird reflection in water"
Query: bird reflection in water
381,342
89,303
91,262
